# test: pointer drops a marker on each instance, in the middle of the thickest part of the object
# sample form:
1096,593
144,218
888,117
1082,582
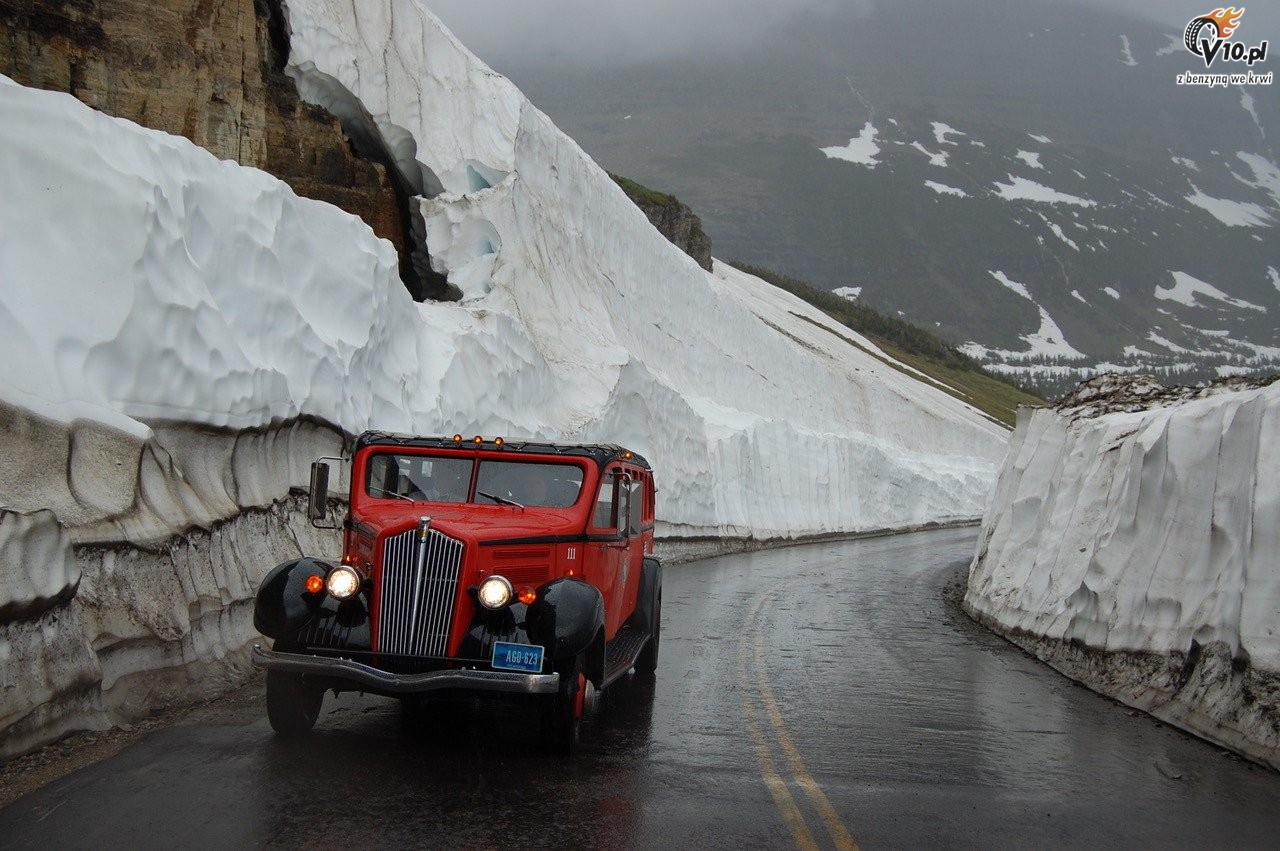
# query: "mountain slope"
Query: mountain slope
1013,142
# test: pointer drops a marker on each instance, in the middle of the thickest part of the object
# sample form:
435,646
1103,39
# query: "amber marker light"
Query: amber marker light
497,441
315,583
527,596
477,440
457,438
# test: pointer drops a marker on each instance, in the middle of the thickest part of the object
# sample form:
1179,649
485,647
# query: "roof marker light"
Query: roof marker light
457,438
497,441
477,440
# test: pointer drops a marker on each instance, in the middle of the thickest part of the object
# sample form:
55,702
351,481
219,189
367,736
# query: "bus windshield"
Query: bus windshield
433,478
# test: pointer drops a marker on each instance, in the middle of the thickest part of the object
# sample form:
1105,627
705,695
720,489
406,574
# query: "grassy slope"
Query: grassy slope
912,346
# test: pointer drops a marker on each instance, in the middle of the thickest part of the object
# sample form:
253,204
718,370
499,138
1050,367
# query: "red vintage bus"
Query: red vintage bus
470,565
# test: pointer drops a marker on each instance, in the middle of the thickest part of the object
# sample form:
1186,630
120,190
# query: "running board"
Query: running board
622,652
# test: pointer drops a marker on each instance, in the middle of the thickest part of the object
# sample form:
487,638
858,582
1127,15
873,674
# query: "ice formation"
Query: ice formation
1142,524
183,335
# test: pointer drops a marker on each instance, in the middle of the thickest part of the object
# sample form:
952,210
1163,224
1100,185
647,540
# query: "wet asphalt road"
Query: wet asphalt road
821,696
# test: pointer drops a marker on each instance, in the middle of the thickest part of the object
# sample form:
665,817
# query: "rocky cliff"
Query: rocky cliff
210,70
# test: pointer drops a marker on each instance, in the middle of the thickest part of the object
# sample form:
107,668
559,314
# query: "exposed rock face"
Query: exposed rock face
673,219
679,224
209,70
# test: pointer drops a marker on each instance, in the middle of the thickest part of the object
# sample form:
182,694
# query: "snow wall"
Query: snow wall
1133,542
182,336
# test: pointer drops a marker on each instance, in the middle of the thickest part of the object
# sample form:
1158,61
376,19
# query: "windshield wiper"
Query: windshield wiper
499,499
385,492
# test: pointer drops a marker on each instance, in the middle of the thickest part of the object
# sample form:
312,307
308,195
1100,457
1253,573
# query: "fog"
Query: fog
587,32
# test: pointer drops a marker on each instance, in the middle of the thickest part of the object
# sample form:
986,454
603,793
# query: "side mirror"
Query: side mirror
317,503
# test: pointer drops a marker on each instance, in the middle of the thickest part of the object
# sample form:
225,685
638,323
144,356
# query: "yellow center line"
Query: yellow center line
773,781
835,826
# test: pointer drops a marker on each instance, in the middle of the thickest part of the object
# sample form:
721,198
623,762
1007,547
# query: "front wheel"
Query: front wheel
293,704
562,720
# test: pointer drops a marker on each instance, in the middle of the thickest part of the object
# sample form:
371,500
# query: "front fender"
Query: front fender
283,605
566,617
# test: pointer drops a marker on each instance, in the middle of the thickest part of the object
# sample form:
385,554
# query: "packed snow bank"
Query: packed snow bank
1132,541
183,335
628,336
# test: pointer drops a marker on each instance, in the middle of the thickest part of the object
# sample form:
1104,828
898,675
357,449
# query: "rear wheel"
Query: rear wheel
293,704
563,715
647,661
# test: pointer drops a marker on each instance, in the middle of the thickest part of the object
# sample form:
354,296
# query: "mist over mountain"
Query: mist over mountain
1027,179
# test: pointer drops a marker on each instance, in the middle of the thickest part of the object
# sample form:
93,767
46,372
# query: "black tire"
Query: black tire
293,704
647,661
562,720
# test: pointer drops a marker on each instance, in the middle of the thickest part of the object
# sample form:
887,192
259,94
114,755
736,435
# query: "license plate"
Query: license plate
517,657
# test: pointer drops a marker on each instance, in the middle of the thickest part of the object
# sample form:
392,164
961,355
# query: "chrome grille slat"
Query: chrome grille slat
427,634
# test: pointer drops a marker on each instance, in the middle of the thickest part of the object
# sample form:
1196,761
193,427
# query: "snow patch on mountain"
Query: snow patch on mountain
862,149
1126,53
1030,158
850,293
1058,231
1112,292
1230,213
1044,140
939,159
1021,189
1266,174
1047,341
941,132
943,189
1186,290
1248,105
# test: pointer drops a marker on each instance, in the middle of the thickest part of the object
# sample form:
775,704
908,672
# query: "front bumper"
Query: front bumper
373,679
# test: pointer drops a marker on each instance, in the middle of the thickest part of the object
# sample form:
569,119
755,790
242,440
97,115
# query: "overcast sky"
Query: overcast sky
509,32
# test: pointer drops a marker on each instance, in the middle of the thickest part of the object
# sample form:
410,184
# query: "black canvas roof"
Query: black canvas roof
601,453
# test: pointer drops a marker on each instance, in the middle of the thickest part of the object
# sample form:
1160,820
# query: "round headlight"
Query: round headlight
494,593
343,582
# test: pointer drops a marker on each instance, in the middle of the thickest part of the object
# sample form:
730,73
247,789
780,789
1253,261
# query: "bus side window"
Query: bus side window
606,515
635,506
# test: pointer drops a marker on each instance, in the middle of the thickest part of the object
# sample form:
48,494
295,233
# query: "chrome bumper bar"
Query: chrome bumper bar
377,680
